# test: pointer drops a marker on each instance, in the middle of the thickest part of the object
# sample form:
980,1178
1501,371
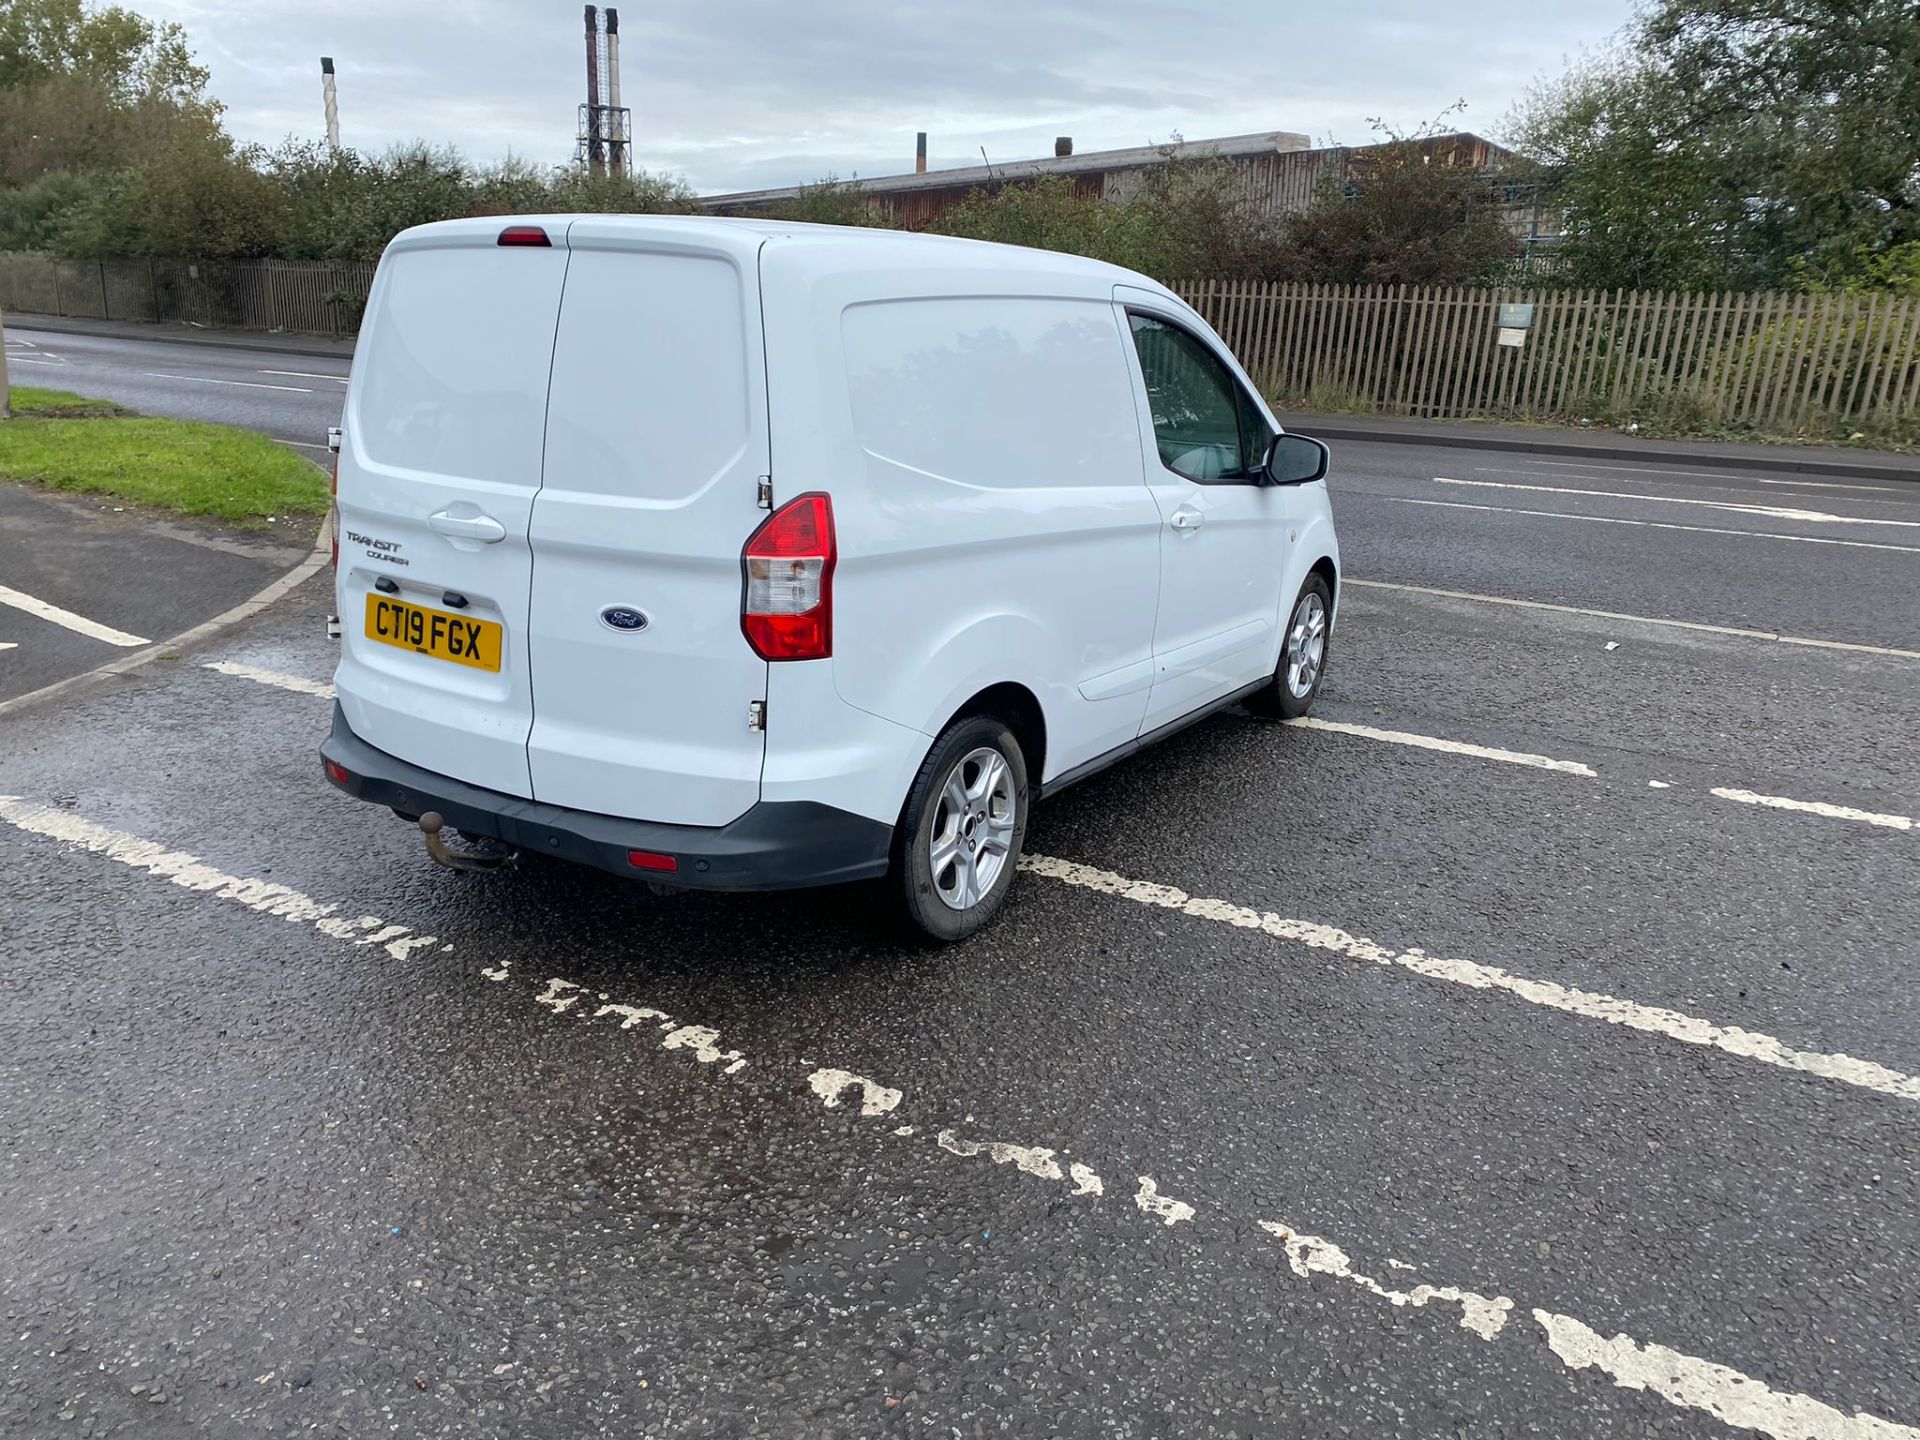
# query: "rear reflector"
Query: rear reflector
524,235
786,605
337,773
648,860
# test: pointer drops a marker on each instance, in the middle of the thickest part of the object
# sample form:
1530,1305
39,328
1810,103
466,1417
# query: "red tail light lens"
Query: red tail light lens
786,608
337,773
649,860
524,235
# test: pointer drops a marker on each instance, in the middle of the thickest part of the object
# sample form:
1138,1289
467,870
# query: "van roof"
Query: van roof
859,245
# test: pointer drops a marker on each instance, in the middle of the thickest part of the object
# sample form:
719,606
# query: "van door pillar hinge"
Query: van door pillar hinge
765,499
757,715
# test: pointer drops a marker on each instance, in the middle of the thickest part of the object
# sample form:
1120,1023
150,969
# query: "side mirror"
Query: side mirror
1295,460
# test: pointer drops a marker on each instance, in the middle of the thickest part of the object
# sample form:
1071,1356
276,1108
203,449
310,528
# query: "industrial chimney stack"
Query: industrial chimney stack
605,142
920,153
332,103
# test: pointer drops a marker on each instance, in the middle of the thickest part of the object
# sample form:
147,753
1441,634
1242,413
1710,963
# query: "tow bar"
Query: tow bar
487,858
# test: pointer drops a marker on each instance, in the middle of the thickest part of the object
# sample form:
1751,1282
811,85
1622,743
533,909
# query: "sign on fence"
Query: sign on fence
1772,361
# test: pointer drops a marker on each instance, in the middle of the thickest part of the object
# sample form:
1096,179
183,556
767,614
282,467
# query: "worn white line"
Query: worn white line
1650,524
191,873
1701,474
875,1098
1767,512
245,384
29,360
1725,1393
271,677
79,624
1818,807
1612,1010
1450,747
1682,1380
1831,485
1631,619
1308,1255
307,375
9,645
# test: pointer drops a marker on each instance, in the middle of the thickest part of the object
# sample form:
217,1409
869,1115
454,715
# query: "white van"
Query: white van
741,555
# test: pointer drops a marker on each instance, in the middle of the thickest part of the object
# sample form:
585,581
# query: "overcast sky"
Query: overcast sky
739,94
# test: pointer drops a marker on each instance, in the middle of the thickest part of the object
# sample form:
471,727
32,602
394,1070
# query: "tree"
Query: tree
833,201
1402,213
1738,143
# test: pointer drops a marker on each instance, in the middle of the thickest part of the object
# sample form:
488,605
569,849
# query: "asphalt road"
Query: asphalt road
290,397
1530,1050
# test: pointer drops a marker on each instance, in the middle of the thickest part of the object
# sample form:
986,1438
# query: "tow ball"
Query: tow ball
489,855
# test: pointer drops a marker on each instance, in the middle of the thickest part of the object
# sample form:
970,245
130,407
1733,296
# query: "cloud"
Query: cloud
735,94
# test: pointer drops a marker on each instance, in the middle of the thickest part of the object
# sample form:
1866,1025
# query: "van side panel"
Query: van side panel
444,417
1005,531
656,439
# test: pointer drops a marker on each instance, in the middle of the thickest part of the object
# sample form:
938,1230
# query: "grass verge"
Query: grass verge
68,442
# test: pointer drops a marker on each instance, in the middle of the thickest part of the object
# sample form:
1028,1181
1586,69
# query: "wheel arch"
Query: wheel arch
1020,710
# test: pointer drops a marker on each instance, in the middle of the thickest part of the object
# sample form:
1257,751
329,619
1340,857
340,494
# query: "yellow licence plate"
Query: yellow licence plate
434,632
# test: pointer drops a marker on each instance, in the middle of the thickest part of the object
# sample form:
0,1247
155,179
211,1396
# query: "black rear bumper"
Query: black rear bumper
782,845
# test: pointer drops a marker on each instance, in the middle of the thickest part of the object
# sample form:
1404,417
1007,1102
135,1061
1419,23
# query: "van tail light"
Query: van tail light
524,235
334,437
786,607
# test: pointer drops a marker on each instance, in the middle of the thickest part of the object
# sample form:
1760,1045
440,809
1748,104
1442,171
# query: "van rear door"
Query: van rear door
438,472
656,441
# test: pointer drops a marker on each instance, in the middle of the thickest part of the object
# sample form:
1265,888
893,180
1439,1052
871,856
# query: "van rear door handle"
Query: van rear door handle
484,528
1185,519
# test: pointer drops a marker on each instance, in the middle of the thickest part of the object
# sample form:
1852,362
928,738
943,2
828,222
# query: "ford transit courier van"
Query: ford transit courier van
742,555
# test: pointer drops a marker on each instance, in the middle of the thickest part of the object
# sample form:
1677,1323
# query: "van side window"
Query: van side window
1207,426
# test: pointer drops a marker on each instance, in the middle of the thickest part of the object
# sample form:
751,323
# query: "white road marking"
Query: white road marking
1830,485
1702,474
1450,747
1681,1380
307,375
1767,512
1651,1019
245,384
93,629
1651,524
875,1099
271,677
1730,1397
1151,1202
29,360
1633,619
9,645
562,996
1485,1316
1818,807
190,873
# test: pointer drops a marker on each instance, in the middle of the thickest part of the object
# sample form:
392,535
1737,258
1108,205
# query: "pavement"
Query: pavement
1525,1046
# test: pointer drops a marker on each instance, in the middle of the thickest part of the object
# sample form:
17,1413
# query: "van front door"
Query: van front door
1223,538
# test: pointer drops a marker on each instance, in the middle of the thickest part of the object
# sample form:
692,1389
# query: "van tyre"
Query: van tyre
960,834
1303,655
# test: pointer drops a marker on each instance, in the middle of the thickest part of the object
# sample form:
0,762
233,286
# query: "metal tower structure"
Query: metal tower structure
604,145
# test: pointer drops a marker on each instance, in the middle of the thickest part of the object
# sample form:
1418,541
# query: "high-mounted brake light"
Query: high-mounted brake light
786,605
524,235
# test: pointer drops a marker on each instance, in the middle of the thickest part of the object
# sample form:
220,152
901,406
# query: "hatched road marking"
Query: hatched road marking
1681,1380
40,609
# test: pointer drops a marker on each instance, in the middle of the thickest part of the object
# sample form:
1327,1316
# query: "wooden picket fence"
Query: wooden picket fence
1769,361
